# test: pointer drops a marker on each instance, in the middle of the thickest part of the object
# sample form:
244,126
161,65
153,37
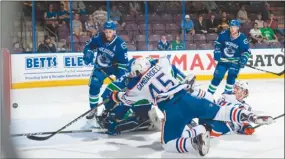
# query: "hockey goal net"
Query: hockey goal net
7,82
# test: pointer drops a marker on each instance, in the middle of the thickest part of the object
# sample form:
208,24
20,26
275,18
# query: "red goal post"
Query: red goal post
7,77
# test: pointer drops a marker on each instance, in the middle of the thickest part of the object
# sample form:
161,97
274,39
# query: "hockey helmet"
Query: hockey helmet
110,25
139,66
235,22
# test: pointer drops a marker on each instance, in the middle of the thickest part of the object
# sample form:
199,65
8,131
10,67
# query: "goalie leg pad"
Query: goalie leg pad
156,121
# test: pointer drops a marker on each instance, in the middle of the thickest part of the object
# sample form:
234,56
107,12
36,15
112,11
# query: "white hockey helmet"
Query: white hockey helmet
139,66
242,85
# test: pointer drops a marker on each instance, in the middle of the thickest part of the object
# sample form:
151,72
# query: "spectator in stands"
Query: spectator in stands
200,25
242,15
163,44
259,21
63,14
66,5
265,12
79,7
16,47
273,24
177,44
255,34
135,8
224,22
76,37
210,6
47,45
76,23
187,25
116,16
91,26
100,16
268,34
174,4
212,24
51,20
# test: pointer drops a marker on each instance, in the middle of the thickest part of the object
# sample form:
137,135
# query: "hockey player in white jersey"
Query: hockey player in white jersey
156,84
218,128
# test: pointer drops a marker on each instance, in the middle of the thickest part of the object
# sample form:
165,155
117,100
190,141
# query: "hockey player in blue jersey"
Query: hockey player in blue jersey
231,53
155,83
111,59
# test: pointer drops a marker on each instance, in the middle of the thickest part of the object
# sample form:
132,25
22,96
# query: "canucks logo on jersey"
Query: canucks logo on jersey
232,48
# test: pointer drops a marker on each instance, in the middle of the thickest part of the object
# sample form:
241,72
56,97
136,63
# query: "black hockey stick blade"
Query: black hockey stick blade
41,138
273,118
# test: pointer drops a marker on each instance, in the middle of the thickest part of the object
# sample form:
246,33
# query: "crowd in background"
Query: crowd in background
262,22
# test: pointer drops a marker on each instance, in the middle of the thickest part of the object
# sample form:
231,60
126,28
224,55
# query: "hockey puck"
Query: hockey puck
15,105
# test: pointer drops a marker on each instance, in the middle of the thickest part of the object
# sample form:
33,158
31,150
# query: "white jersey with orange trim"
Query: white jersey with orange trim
231,100
156,85
203,94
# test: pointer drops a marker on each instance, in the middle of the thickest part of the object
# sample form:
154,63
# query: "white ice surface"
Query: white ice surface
48,109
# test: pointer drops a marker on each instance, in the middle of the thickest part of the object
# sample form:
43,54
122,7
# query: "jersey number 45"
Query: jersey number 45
159,85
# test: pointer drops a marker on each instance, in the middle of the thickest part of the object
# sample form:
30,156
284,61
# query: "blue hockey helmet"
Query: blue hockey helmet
110,25
235,22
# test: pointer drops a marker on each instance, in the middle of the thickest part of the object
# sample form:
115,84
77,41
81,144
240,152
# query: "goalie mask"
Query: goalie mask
139,67
241,90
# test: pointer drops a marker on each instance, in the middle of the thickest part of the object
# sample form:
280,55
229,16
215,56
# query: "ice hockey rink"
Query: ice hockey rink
48,109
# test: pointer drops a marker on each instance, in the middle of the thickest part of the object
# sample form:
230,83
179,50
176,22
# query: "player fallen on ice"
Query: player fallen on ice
119,118
111,59
155,83
218,128
231,53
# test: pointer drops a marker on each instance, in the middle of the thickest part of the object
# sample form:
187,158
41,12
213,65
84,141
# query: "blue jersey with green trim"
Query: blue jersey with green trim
112,56
232,48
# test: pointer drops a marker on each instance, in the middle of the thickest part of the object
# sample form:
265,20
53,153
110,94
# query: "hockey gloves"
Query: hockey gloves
244,59
217,55
190,81
246,130
88,56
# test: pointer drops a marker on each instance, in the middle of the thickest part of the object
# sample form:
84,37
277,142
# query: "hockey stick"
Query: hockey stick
235,61
278,74
61,132
40,138
80,131
273,118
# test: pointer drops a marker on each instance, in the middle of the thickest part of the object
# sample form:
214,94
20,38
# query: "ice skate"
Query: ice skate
201,143
91,122
91,115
